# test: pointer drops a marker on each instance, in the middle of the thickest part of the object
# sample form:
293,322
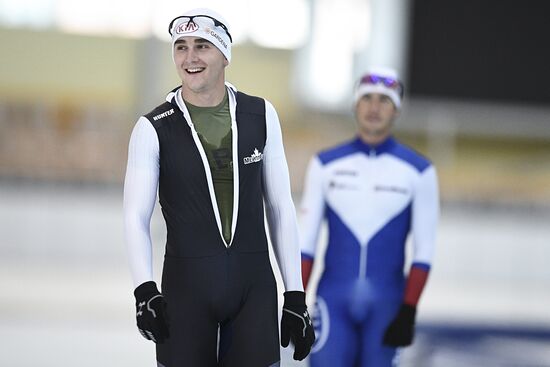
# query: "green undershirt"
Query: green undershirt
213,125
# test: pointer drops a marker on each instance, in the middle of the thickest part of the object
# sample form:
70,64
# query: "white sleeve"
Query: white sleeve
425,216
280,211
312,207
140,193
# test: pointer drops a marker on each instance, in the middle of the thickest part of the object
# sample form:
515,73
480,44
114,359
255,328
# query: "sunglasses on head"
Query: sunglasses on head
391,83
377,79
190,20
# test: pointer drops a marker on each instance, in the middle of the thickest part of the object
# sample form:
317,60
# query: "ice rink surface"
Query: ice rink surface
66,293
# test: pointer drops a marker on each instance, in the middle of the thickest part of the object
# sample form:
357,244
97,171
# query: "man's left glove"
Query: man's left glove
400,333
151,315
296,324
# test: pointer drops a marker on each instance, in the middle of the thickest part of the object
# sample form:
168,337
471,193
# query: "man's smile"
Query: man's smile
194,70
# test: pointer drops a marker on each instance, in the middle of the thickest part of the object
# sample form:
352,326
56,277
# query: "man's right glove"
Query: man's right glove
296,324
400,332
151,315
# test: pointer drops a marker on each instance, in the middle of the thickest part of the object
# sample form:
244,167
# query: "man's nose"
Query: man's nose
191,55
374,104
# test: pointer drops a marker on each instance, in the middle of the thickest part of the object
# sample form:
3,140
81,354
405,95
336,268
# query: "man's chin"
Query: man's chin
376,132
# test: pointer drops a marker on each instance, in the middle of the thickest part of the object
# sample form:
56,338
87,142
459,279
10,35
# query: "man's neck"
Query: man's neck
204,99
373,139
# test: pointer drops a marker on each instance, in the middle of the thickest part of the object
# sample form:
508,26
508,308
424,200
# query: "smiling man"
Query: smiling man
373,191
215,155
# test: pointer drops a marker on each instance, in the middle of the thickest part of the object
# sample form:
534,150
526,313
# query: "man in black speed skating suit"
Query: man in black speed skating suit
215,155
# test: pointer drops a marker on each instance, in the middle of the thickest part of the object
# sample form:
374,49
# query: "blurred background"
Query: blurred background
76,75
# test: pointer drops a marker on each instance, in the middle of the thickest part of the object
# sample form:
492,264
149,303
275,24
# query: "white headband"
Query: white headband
204,27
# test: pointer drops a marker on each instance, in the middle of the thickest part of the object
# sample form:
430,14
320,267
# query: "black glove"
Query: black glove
400,333
151,316
296,324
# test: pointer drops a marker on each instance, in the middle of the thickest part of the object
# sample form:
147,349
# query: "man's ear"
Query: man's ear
397,112
225,62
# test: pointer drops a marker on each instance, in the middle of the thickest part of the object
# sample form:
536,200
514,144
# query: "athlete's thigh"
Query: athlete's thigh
192,326
250,338
373,351
336,339
192,342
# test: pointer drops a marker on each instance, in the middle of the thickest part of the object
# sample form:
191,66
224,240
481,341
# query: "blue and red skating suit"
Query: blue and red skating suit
372,198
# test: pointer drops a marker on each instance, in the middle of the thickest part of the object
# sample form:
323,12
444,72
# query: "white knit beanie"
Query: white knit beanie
381,80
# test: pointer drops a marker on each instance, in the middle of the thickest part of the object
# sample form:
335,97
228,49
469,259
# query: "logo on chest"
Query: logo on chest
338,185
391,188
256,156
344,179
